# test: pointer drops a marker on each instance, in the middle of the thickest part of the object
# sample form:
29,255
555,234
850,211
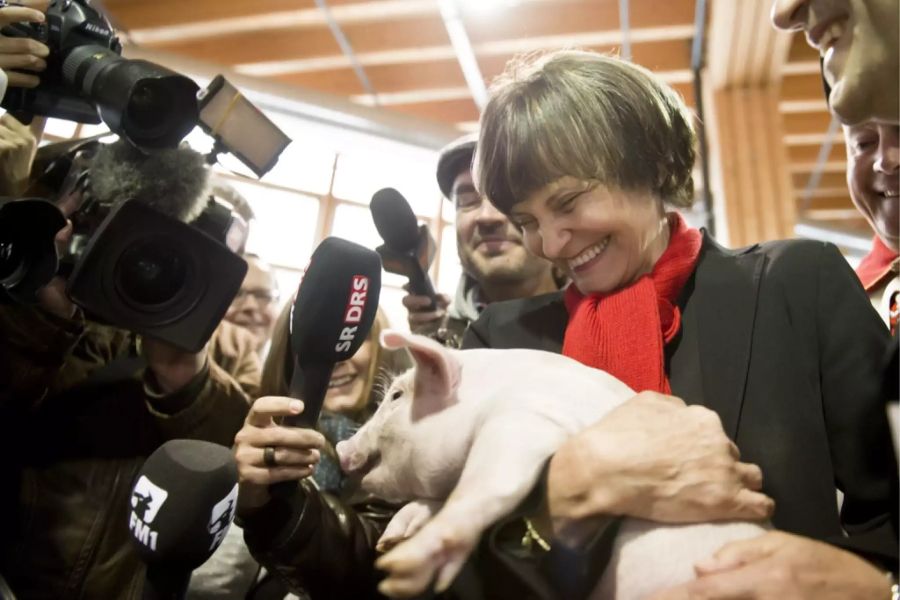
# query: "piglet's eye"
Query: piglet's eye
396,395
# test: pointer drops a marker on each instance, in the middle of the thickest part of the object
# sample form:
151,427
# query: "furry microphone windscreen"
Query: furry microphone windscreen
172,181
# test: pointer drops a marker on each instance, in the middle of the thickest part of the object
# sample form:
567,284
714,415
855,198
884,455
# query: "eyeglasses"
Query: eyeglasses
262,297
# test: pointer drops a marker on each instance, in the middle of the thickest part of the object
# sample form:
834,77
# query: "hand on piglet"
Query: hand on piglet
653,458
294,454
779,565
407,522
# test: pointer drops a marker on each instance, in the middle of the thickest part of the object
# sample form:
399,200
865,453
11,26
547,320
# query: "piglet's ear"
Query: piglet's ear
437,372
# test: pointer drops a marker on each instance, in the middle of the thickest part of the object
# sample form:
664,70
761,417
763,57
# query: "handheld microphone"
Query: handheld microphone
182,503
396,224
330,319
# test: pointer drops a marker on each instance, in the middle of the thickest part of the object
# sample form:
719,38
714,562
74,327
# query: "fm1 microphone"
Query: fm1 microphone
396,224
182,503
330,319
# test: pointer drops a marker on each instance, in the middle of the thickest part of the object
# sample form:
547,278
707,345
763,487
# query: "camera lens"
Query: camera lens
148,106
151,113
151,273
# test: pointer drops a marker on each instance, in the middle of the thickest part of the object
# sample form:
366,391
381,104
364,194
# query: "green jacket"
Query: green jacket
75,434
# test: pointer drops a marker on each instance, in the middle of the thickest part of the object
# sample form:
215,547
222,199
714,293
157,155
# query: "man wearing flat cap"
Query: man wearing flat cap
495,264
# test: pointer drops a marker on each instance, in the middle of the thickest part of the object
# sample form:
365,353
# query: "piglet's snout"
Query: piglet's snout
352,460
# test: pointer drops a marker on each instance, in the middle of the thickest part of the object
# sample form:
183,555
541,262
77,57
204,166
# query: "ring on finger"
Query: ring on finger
269,456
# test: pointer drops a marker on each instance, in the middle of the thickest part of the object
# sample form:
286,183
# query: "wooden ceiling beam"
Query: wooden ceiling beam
150,24
805,86
448,111
384,78
806,123
810,153
411,41
585,16
838,166
827,180
800,51
834,202
842,215
743,47
857,226
135,14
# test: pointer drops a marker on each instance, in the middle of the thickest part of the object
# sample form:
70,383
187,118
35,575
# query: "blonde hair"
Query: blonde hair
279,367
585,115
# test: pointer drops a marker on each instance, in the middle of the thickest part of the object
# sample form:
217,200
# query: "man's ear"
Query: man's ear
437,371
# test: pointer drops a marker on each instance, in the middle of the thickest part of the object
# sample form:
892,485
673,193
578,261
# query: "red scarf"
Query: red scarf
625,332
876,265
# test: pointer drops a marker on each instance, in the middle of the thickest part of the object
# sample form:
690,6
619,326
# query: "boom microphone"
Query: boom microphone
330,319
396,224
182,504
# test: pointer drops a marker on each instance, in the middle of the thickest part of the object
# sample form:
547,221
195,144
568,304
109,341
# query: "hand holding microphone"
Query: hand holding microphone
425,315
330,319
407,248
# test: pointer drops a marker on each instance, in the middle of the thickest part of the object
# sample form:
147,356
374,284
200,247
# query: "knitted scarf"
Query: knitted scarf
624,332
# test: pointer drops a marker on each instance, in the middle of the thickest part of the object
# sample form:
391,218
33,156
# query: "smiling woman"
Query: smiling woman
588,154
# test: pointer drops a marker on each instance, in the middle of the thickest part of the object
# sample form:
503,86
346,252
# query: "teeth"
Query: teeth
339,381
589,254
891,193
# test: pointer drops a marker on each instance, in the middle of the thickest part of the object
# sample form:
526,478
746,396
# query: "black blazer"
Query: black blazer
780,340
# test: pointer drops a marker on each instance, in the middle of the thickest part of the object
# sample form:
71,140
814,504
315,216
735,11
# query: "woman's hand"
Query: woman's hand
296,450
22,52
779,565
652,458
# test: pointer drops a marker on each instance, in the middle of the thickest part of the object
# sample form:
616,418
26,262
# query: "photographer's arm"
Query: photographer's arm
17,148
35,346
191,396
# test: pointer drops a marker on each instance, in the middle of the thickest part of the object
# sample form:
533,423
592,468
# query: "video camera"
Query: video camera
125,263
87,80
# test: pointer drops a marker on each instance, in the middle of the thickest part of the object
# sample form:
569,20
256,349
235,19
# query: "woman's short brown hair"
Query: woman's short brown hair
585,115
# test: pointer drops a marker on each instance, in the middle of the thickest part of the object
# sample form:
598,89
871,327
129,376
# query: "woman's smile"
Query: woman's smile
589,257
341,380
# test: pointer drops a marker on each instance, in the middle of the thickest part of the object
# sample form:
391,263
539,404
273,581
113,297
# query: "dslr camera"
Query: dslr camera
87,80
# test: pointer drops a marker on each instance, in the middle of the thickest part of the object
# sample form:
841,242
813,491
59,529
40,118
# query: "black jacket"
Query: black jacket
781,341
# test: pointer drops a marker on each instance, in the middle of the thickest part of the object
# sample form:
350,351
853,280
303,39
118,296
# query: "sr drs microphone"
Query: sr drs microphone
330,319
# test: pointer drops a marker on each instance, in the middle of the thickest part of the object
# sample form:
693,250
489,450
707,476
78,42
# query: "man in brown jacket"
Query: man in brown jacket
81,407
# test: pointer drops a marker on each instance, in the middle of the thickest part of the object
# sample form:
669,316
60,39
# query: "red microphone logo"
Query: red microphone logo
356,305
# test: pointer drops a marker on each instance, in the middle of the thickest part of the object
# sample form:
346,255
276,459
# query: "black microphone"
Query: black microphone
182,503
330,319
396,224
